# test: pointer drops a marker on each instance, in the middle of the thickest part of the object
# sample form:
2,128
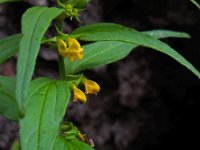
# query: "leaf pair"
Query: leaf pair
121,40
45,109
47,100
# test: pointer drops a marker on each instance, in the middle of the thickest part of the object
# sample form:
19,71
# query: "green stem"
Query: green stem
61,66
60,4
60,58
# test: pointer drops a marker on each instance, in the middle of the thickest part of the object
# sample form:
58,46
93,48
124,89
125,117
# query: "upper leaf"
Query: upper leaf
35,22
8,104
45,107
9,46
114,32
98,54
105,52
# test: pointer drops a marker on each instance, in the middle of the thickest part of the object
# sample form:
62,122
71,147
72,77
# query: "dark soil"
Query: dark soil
148,100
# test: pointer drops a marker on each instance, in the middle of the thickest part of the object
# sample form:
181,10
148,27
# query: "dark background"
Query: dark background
148,100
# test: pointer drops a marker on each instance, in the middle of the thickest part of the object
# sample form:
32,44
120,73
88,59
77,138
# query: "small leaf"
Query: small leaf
8,104
62,144
80,4
35,22
9,46
114,32
45,107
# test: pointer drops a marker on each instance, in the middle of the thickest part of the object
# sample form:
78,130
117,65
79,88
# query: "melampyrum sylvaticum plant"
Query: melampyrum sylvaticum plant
39,105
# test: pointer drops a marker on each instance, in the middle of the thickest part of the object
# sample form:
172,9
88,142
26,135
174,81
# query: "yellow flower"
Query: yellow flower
79,96
72,50
62,47
91,87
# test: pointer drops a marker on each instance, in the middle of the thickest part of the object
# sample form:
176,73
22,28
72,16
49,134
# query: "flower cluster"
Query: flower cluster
91,87
71,12
73,51
72,7
70,49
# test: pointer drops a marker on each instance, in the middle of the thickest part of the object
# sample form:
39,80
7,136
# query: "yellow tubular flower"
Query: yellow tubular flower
91,87
79,96
62,47
74,50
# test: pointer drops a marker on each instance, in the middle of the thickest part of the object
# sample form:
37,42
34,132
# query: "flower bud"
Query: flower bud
79,96
91,87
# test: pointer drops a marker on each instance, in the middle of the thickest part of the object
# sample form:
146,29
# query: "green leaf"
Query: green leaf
44,110
62,144
35,22
98,54
9,46
78,3
114,32
195,3
5,1
8,105
166,34
105,52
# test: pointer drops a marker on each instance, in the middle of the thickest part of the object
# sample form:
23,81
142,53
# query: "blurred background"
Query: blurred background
147,100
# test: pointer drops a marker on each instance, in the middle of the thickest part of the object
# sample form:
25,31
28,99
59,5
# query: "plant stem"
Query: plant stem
61,66
60,58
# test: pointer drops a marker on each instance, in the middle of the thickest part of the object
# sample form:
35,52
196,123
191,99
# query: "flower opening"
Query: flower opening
79,96
62,47
72,50
91,87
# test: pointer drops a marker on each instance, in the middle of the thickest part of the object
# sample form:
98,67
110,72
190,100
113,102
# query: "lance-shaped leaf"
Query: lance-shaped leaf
35,22
195,3
98,54
160,33
8,104
45,107
105,52
114,32
9,46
